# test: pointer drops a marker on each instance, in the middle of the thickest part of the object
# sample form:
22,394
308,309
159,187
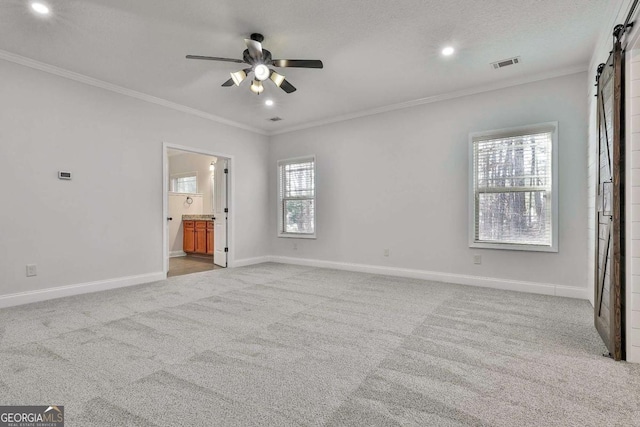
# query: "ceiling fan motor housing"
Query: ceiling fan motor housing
266,57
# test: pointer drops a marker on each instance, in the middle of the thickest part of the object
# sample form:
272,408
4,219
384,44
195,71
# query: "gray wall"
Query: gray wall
399,180
107,222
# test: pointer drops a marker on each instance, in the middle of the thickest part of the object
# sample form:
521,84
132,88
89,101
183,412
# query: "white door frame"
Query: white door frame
165,200
220,212
631,341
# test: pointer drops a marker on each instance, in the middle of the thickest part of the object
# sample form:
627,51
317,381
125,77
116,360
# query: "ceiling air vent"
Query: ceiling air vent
505,62
275,119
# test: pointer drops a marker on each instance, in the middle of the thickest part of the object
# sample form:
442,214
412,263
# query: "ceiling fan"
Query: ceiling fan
260,60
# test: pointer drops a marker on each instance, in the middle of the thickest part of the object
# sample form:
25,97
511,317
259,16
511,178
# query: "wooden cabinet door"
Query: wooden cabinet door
188,237
201,237
210,237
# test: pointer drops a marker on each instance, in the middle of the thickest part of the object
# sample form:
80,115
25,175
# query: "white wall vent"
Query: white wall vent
505,62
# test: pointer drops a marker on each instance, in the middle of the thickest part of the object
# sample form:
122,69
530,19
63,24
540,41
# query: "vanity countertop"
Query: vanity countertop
203,217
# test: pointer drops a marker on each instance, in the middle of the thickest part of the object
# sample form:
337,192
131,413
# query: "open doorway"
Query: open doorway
196,188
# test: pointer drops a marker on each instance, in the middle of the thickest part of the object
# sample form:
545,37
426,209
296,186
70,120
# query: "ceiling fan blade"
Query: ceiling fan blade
299,63
215,58
255,48
287,87
228,83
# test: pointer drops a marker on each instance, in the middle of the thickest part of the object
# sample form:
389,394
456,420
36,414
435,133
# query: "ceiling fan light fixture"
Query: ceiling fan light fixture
262,72
256,87
259,61
238,77
277,78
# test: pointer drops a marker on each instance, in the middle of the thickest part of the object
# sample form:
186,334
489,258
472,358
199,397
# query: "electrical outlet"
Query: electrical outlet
386,252
31,270
477,259
295,246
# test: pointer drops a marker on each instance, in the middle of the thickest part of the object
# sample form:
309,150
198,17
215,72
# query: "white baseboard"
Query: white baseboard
460,279
175,254
512,285
572,292
82,288
633,354
251,261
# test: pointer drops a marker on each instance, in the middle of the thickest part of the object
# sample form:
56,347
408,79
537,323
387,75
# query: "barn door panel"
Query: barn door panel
609,240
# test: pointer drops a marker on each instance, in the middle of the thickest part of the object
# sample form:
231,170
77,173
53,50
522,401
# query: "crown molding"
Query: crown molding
436,98
51,69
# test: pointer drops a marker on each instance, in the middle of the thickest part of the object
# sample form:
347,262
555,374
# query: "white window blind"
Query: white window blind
296,179
513,188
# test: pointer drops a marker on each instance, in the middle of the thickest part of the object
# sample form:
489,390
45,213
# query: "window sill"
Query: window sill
514,247
297,235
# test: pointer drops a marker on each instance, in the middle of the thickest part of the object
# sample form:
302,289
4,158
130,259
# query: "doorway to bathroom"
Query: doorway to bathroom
196,198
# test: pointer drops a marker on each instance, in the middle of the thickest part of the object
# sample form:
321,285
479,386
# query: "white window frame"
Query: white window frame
175,176
551,127
281,232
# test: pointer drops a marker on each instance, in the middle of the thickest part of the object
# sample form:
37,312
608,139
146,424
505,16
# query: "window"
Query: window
184,183
514,197
297,198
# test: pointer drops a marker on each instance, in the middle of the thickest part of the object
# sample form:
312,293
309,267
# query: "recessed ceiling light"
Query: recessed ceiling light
268,102
40,8
448,51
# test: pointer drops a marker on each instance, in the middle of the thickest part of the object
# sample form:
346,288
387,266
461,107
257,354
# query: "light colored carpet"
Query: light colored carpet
284,345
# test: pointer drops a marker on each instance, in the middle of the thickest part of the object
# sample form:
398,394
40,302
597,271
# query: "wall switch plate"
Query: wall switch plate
477,259
31,270
386,252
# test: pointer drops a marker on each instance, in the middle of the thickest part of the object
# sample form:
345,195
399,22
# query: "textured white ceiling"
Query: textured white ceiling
376,52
